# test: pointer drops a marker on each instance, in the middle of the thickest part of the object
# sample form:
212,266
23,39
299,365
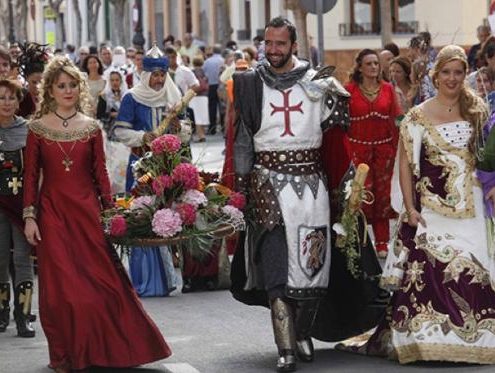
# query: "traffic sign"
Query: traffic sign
311,6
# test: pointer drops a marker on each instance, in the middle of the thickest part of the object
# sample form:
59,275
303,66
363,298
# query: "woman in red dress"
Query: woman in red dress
89,311
373,138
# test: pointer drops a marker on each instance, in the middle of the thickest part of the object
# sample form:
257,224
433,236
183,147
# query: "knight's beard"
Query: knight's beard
282,62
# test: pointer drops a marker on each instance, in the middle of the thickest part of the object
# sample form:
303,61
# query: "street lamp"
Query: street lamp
11,22
138,38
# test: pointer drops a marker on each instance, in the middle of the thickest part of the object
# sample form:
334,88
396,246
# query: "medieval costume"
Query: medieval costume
90,314
373,140
142,109
12,143
443,273
283,258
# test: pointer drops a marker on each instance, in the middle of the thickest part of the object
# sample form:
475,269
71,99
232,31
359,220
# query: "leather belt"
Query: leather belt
269,159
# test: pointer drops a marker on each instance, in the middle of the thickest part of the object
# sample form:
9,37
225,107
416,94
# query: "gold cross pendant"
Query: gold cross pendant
67,162
15,184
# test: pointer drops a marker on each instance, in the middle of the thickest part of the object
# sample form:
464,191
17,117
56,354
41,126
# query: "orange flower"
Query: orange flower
124,202
222,189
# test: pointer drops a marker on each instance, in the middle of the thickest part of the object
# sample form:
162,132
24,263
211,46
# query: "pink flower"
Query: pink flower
187,213
118,226
166,223
186,174
161,183
194,197
237,200
165,143
235,215
142,201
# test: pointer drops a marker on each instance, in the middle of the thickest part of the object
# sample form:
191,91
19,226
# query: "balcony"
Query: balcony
359,29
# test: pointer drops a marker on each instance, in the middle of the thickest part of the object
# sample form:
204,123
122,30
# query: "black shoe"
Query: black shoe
22,309
4,319
212,131
201,140
4,306
210,285
305,350
187,286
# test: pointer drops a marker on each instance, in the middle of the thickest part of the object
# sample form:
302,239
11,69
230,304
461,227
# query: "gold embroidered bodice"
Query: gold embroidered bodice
457,163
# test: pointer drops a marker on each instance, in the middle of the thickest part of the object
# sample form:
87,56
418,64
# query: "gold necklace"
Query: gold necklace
66,162
368,92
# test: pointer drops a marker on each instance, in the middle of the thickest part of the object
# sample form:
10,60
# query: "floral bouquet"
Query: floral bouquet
171,203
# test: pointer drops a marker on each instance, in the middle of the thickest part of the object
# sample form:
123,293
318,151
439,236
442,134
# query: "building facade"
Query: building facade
351,25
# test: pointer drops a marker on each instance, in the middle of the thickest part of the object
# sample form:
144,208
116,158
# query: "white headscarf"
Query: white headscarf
144,94
108,94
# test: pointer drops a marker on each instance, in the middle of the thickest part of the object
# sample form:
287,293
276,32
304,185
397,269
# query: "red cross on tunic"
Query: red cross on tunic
286,109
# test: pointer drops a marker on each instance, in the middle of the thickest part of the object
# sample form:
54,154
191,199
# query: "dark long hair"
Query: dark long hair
355,75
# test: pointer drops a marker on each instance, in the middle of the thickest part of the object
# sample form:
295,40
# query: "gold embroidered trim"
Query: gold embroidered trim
445,352
29,212
435,147
57,135
407,139
390,282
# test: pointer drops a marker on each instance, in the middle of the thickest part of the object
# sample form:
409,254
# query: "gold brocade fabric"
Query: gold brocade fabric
84,134
417,132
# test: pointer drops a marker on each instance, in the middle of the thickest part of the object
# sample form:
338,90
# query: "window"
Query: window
365,17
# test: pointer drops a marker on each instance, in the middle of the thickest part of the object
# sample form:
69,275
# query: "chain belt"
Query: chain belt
377,142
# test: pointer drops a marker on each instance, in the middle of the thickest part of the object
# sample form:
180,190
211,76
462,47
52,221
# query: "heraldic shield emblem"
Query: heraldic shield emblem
312,249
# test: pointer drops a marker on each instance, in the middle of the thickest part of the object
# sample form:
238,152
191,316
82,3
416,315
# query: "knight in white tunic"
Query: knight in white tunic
282,108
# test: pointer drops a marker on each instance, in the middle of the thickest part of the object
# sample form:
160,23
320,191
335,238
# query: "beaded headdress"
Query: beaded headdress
32,59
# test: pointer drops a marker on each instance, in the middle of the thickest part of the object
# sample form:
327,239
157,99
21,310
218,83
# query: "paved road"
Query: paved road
209,332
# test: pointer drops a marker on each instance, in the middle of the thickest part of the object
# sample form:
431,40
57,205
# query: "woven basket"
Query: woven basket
222,231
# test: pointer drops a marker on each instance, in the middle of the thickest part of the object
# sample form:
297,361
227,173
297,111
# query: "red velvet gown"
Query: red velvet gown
89,311
373,140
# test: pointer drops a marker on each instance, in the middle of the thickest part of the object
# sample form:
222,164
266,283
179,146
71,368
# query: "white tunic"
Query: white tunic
292,121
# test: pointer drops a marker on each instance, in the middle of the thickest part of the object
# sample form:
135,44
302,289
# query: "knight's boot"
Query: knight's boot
305,317
4,306
283,330
22,309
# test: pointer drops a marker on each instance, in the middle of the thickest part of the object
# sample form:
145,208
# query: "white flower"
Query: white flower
348,189
236,216
339,229
194,197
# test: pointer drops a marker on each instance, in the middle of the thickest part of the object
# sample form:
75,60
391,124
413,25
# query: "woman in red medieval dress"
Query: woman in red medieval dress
89,312
373,138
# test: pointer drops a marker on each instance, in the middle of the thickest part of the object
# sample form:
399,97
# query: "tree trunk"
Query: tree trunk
4,21
59,22
119,7
77,10
224,27
20,18
93,11
386,21
301,26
